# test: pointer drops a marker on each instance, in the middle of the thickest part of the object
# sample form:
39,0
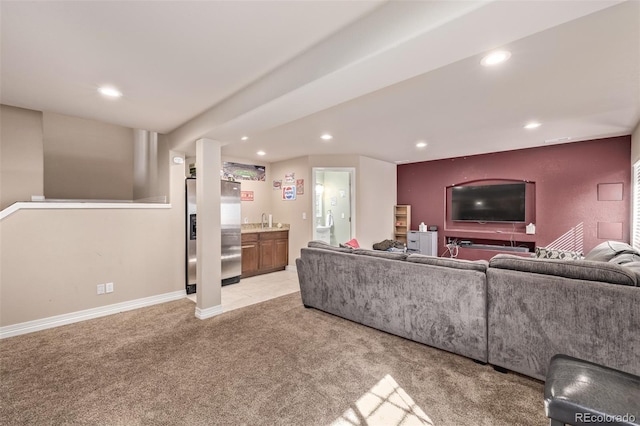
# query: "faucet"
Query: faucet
263,219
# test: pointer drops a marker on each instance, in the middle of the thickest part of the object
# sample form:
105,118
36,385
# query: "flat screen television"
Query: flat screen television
489,203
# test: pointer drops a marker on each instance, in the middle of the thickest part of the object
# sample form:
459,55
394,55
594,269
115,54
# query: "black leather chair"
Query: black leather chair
579,392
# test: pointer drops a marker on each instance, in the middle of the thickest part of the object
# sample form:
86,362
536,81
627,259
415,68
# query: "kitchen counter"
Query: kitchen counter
249,228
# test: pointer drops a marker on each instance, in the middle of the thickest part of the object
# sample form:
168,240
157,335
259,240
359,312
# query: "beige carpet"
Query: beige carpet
275,363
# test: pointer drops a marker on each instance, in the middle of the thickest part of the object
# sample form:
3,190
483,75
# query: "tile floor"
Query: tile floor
257,289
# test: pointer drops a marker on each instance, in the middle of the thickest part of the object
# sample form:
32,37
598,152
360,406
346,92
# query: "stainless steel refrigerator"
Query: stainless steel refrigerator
231,262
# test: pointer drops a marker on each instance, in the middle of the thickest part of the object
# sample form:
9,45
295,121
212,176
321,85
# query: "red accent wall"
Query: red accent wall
566,180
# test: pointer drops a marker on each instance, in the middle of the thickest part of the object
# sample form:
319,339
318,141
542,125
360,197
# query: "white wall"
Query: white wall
87,159
375,198
291,212
21,155
52,260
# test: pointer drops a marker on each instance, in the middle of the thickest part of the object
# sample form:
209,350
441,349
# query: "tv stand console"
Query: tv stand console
484,245
497,247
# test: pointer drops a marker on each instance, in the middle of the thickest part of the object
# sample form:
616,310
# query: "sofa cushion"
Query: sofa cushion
625,258
635,268
606,251
575,269
323,245
379,253
473,265
547,253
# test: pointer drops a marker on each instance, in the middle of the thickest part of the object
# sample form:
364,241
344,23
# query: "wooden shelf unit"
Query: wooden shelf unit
402,222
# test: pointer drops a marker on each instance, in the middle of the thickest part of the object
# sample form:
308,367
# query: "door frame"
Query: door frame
352,197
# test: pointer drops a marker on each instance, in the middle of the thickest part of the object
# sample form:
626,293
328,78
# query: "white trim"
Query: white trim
208,312
70,318
292,268
79,205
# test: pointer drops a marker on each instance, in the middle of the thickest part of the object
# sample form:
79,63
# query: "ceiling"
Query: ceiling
379,76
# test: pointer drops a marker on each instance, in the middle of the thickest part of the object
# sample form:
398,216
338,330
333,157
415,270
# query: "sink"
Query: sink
324,233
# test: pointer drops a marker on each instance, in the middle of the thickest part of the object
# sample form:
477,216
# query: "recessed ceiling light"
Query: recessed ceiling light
421,144
261,153
495,58
326,137
244,138
110,92
532,125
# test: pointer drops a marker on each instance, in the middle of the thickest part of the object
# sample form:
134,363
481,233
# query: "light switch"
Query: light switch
304,215
342,215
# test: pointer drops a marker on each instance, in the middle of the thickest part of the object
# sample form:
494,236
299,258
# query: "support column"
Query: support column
208,242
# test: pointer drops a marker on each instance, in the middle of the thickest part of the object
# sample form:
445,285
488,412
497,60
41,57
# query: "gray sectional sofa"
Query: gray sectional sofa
441,306
512,312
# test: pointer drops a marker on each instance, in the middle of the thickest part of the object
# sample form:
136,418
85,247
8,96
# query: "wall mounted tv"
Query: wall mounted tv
489,203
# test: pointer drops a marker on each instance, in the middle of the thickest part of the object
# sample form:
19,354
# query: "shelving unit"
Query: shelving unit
402,222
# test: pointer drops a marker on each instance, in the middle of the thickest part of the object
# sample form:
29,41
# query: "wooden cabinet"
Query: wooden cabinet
281,253
402,224
264,252
250,254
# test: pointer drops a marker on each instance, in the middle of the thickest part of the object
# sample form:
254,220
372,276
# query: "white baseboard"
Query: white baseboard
208,312
102,311
291,268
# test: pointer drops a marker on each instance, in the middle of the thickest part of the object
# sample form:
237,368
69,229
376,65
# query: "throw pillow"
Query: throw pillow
353,243
547,253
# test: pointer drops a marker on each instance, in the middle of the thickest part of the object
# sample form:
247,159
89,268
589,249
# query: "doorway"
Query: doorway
333,192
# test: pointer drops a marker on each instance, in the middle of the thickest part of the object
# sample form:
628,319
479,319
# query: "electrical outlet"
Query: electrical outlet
108,287
304,215
100,288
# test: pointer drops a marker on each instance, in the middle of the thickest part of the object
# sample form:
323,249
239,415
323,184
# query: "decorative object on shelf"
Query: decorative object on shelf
531,229
422,227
